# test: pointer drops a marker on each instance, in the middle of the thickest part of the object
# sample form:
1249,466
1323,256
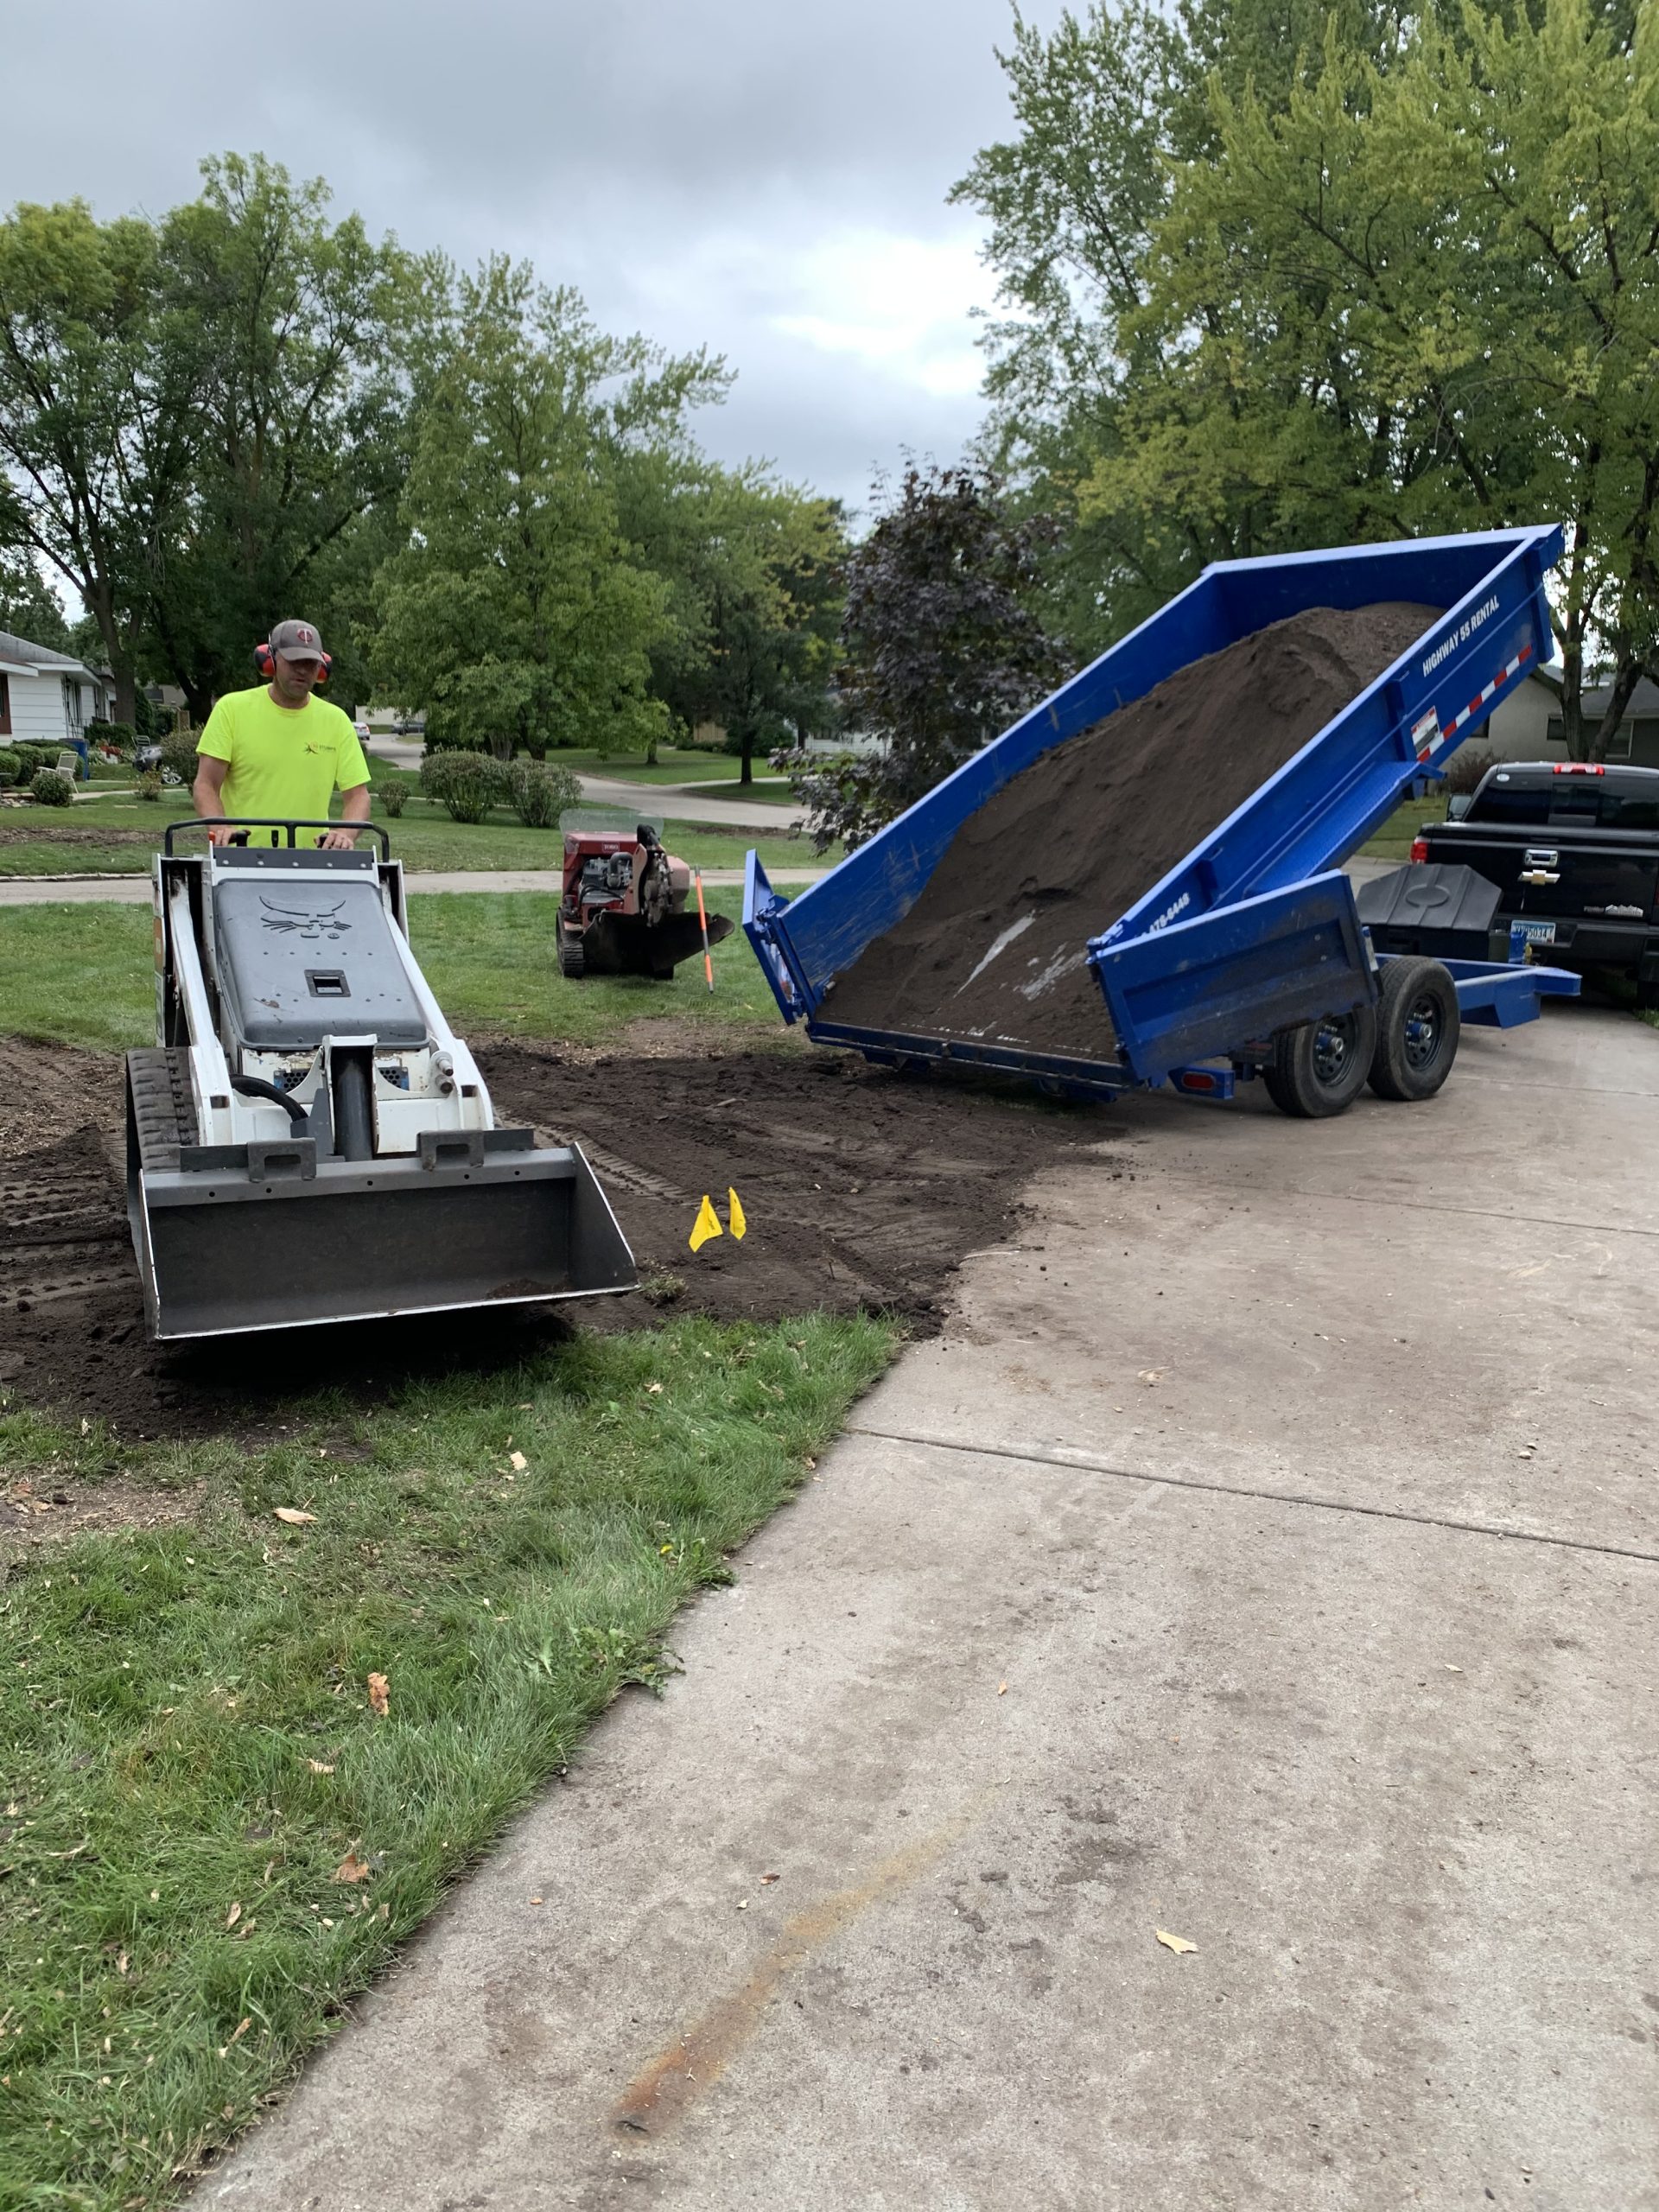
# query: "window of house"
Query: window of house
1618,745
5,706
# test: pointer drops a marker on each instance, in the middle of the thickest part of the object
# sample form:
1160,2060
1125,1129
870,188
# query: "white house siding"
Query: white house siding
1527,726
47,707
37,708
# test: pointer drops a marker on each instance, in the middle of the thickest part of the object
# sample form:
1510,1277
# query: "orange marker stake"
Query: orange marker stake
702,915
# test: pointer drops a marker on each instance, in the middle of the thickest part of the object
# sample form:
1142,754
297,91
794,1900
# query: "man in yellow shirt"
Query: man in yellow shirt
277,753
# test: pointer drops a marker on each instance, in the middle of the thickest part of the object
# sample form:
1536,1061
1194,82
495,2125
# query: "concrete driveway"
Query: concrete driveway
1267,1555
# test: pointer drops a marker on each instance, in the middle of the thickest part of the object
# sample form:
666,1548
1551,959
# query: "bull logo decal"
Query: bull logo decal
306,922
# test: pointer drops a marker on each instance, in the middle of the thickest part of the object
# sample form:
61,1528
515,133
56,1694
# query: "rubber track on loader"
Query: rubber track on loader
163,1104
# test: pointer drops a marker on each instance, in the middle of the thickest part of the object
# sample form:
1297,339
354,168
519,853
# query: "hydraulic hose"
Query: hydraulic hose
254,1086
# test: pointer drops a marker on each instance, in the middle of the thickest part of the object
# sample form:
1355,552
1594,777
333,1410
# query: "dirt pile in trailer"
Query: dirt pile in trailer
995,946
859,1188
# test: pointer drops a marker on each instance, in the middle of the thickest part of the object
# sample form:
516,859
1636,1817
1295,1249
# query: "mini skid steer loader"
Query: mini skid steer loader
309,1140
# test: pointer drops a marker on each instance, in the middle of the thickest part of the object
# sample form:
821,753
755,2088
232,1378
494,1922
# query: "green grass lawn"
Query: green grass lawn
1393,841
675,765
210,1840
423,837
83,975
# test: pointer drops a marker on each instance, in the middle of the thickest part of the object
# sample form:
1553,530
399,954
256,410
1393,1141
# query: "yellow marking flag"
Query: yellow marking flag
705,1225
735,1211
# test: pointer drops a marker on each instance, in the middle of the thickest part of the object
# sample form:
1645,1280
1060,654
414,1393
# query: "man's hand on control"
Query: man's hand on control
339,841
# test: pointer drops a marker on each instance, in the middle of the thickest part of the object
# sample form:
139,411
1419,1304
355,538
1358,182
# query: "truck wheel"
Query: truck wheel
572,960
1418,1025
1319,1068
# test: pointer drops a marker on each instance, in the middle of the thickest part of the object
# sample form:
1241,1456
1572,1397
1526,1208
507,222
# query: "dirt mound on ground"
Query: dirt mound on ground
994,947
861,1189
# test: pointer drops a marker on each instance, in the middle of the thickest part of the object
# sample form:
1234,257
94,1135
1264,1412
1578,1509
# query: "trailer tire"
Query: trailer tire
1418,1025
1319,1068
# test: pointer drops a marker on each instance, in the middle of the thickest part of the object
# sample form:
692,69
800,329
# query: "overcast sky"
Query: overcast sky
764,178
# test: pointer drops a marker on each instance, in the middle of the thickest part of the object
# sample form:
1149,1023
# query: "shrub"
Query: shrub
11,766
469,784
540,794
52,788
120,737
1465,769
393,795
149,784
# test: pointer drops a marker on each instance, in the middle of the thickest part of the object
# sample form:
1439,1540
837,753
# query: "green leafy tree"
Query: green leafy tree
944,648
515,610
1424,299
753,571
97,410
29,608
293,325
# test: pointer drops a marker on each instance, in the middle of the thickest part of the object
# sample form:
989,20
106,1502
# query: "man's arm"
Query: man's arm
207,792
353,807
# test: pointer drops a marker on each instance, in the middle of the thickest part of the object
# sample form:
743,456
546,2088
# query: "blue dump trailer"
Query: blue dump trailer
1248,957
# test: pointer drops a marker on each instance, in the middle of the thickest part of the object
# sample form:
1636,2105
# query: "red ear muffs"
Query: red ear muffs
265,661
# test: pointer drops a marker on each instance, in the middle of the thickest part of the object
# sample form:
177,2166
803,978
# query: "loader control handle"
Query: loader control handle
272,822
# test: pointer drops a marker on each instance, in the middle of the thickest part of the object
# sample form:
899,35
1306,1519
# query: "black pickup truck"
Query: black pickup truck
1572,850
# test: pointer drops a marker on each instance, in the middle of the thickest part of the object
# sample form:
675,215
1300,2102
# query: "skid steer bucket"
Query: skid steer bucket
308,1142
276,1238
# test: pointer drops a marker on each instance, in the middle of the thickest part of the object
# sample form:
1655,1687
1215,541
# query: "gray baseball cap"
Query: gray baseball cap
297,641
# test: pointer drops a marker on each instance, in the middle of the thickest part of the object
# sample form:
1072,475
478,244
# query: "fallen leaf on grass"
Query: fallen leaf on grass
319,1766
293,1515
1173,1943
242,2028
379,1695
518,1462
234,1915
655,1389
351,1869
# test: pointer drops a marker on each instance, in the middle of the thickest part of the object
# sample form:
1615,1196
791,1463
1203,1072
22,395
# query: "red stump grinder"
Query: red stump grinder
623,911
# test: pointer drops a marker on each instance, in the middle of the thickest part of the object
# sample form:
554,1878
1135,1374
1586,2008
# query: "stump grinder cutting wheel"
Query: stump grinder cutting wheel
623,911
309,1140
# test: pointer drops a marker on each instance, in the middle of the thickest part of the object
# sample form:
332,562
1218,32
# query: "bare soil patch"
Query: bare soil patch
996,945
860,1188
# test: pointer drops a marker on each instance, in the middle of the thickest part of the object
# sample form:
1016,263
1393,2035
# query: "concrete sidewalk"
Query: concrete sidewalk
1267,1554
134,890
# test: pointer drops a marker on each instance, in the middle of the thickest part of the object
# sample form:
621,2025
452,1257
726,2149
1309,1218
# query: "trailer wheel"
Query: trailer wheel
572,960
1418,1025
1319,1068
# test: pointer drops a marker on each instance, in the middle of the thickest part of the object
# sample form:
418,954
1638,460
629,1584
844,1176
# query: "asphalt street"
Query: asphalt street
1191,1744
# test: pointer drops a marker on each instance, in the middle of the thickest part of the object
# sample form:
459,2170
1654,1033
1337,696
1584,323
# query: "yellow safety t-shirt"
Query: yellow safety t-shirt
286,762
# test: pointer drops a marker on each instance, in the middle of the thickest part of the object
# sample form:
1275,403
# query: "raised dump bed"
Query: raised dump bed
1252,934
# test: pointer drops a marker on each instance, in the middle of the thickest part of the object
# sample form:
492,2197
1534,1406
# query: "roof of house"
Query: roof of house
19,658
1644,699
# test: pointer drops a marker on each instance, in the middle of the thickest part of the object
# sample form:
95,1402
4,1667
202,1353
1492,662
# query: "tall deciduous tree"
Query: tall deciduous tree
943,648
1387,273
95,413
294,322
515,612
752,569
28,607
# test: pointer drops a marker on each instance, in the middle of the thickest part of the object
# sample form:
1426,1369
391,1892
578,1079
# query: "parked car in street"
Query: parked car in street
409,726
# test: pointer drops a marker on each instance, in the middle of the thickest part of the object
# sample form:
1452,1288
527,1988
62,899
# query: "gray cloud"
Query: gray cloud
768,179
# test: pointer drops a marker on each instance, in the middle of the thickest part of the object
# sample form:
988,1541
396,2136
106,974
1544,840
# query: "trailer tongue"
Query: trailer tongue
309,1140
1247,956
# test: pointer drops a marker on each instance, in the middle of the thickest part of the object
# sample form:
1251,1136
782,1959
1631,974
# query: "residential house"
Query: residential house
1528,726
48,697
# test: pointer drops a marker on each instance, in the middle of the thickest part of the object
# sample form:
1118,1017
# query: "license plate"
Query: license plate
1534,932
